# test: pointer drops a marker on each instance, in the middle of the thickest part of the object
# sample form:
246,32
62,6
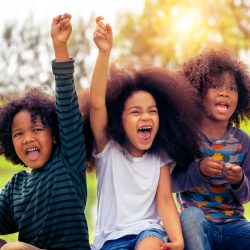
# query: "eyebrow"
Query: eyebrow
140,107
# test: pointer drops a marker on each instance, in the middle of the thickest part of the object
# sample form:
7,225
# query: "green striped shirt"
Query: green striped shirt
47,205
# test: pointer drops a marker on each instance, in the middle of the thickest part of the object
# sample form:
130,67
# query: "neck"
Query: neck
214,129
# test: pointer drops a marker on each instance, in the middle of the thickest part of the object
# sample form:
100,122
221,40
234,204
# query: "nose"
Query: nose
223,91
28,138
145,116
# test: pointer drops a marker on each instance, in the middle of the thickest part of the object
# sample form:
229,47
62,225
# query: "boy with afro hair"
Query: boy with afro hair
214,188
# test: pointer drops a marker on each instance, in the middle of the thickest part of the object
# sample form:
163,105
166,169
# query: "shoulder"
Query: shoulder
239,133
241,136
17,179
110,147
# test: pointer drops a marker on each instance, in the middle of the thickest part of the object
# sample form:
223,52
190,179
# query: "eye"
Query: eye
153,111
37,129
214,86
17,134
233,88
134,112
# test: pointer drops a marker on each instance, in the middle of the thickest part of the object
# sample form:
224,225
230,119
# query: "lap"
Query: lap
200,234
18,246
236,235
130,242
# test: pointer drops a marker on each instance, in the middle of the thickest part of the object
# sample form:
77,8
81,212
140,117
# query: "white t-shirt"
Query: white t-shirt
125,193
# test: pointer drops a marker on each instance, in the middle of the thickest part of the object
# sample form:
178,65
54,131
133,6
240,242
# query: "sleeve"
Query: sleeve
7,223
166,160
69,117
242,193
184,179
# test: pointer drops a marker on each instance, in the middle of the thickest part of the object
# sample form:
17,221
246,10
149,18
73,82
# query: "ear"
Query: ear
54,140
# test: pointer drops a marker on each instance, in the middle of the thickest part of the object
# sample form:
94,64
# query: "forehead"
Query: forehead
139,98
225,77
24,117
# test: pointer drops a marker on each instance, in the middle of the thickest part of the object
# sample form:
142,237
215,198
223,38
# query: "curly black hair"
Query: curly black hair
37,103
213,62
179,114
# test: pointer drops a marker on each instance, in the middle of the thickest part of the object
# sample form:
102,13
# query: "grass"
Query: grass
7,171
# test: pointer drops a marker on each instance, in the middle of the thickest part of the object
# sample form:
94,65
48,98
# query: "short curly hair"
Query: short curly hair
178,112
212,62
37,103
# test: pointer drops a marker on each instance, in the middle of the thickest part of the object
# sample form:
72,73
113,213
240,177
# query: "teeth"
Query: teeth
145,128
32,149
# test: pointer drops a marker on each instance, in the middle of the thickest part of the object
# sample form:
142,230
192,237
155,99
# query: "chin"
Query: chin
146,147
35,166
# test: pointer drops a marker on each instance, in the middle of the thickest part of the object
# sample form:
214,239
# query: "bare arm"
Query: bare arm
98,112
168,212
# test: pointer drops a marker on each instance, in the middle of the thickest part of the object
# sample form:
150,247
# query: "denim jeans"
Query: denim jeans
129,242
200,234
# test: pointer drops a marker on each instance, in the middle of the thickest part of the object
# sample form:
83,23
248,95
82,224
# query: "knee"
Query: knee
192,217
17,246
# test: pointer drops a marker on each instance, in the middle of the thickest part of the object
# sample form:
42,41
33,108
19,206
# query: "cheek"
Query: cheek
16,145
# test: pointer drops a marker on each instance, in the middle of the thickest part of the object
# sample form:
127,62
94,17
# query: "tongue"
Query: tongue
33,155
144,135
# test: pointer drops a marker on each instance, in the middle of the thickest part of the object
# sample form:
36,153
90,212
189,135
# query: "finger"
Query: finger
215,159
57,18
235,168
98,35
66,15
101,32
215,169
108,28
99,19
166,246
64,23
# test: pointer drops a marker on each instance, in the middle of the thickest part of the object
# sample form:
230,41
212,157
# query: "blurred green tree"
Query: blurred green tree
169,32
26,51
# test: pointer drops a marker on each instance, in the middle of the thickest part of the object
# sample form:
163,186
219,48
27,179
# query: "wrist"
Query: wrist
199,167
61,52
104,52
238,184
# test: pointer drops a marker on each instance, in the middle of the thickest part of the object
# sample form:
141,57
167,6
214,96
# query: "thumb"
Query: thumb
166,246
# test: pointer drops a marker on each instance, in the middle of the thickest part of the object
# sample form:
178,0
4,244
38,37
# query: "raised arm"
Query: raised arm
69,116
98,112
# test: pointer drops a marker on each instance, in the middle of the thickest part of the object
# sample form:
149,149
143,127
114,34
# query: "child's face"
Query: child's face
33,142
140,122
221,98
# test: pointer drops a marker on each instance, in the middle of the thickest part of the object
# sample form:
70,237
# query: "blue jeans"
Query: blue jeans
129,242
201,234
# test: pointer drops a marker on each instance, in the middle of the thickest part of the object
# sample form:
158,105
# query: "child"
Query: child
215,186
134,123
46,205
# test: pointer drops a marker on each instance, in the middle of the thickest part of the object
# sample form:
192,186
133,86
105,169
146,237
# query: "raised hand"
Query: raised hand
61,28
60,32
103,35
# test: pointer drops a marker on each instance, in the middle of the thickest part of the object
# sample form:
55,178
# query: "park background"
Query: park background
146,32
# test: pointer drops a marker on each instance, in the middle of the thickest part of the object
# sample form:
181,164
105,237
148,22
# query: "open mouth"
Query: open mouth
33,153
222,107
145,132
